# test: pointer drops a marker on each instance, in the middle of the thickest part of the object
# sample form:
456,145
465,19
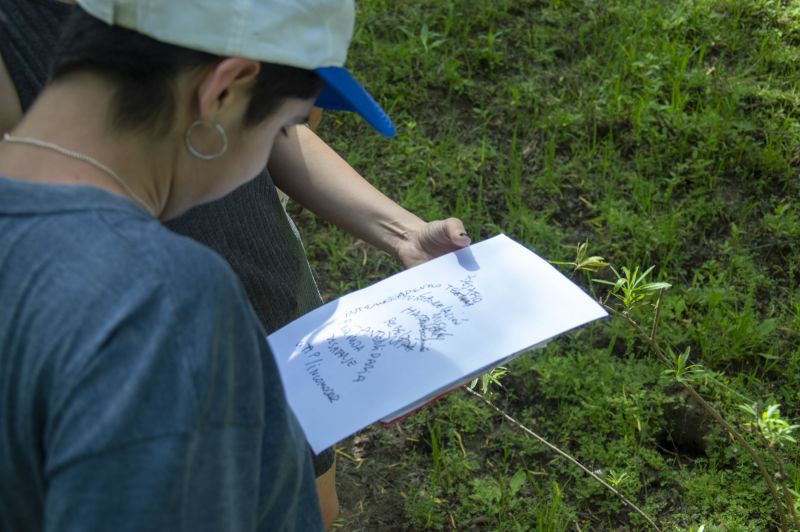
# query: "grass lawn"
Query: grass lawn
665,134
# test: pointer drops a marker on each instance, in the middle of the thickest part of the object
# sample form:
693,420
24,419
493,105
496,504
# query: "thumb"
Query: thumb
456,233
443,236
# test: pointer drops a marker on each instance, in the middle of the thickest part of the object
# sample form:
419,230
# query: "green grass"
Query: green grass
666,134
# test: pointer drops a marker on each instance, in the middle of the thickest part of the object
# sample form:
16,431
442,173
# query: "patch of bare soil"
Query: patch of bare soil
370,475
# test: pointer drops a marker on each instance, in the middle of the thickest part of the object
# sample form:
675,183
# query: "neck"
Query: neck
74,115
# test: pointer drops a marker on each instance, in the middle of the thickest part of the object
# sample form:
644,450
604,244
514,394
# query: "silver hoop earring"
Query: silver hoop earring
195,153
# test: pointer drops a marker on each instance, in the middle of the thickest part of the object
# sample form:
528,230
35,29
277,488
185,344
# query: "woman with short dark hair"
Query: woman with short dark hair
136,389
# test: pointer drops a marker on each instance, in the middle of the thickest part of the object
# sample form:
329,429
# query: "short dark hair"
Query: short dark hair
143,71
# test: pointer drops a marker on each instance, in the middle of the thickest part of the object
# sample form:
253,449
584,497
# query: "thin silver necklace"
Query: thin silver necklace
81,157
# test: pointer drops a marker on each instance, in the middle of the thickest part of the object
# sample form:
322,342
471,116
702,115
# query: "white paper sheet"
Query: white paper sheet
376,352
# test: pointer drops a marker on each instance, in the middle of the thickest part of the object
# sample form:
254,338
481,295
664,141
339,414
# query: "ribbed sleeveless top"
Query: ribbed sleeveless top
29,32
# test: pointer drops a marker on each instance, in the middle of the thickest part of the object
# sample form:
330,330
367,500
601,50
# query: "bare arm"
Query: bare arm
314,175
10,109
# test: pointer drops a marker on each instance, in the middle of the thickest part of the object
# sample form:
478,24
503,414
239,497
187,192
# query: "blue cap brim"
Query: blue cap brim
343,93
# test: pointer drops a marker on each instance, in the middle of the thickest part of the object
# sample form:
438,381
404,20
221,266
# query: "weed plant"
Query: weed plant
665,134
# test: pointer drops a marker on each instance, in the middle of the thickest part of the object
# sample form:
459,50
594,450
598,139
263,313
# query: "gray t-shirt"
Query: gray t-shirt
136,389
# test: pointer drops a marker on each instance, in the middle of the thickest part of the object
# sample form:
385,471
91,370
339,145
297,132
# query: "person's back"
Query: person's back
134,376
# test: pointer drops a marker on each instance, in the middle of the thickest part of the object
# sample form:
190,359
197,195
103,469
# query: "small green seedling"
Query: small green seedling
769,424
631,288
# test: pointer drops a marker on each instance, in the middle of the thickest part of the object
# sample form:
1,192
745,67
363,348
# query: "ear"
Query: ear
229,79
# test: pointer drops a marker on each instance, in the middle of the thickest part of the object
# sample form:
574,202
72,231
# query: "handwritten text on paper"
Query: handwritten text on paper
418,318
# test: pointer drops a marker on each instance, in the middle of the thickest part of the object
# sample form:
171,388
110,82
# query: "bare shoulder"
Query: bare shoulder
10,110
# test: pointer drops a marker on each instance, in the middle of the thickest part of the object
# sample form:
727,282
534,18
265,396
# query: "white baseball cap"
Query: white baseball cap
310,34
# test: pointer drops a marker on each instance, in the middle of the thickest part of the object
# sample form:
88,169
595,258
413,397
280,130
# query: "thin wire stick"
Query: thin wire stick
565,455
